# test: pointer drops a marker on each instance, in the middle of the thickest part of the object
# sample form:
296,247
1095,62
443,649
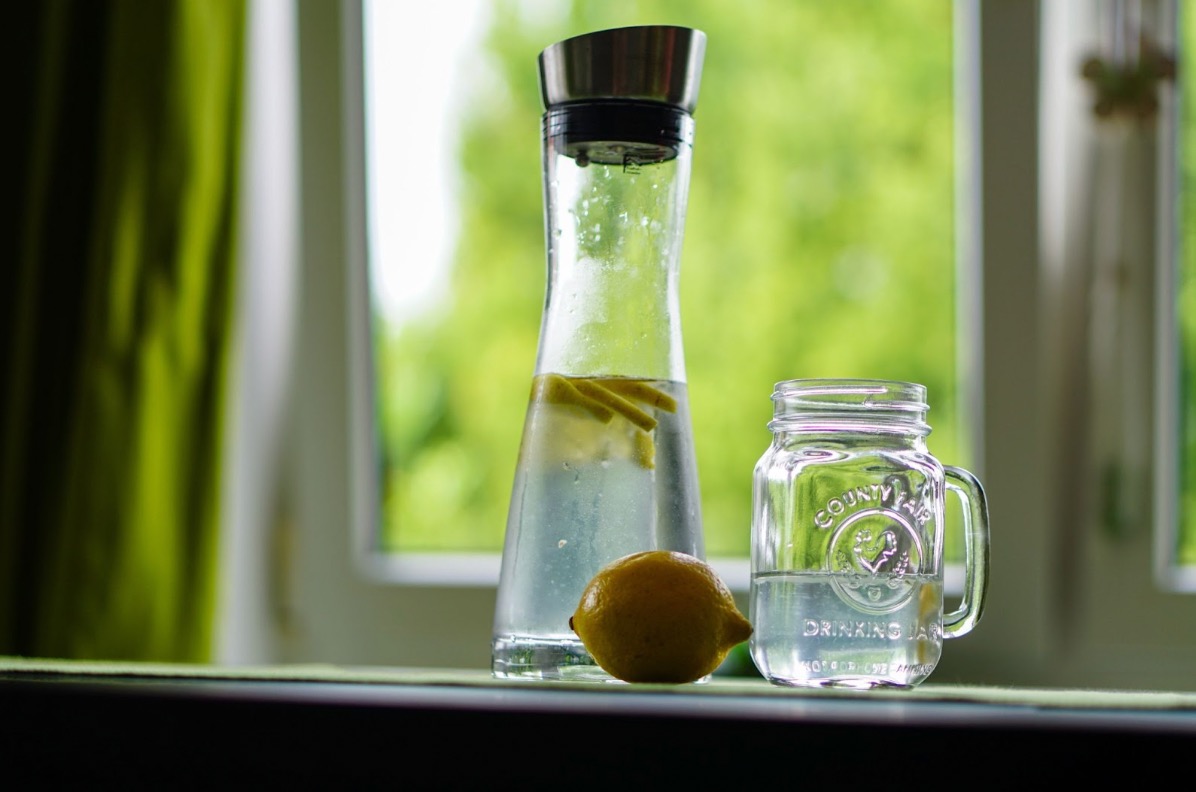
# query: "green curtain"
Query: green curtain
116,294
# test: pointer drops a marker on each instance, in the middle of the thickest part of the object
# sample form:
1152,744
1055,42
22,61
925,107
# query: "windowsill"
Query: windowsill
202,724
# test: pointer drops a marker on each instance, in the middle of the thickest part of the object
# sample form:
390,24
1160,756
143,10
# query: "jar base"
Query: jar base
842,683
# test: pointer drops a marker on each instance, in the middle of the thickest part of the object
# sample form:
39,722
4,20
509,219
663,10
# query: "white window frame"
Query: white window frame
1103,624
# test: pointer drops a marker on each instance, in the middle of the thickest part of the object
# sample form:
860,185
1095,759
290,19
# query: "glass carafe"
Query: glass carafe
606,464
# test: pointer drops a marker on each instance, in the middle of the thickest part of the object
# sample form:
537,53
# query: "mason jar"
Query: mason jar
847,538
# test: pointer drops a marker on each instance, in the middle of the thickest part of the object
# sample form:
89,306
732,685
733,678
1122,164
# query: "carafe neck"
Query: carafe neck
616,181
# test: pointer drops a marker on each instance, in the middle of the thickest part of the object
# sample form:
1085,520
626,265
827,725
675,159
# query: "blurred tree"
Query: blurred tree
819,243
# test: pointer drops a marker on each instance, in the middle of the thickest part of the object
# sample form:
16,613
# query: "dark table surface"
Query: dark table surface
93,725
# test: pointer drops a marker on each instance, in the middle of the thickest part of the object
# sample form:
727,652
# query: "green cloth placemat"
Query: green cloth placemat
1061,698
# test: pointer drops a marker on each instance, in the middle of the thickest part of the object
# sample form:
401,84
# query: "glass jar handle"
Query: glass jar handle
975,525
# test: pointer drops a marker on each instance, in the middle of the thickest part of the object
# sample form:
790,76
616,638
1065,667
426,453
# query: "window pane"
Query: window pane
819,240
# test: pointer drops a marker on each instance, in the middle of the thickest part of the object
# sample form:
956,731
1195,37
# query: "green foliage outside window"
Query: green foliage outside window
819,242
1186,303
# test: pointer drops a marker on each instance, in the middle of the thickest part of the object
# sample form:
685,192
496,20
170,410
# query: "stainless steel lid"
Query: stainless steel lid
655,63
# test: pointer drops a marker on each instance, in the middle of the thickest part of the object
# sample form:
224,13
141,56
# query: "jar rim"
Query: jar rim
887,405
861,393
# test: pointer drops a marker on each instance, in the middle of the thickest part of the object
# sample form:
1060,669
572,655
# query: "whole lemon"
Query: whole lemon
658,616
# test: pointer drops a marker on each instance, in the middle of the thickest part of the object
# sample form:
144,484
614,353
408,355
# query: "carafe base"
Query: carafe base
523,657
